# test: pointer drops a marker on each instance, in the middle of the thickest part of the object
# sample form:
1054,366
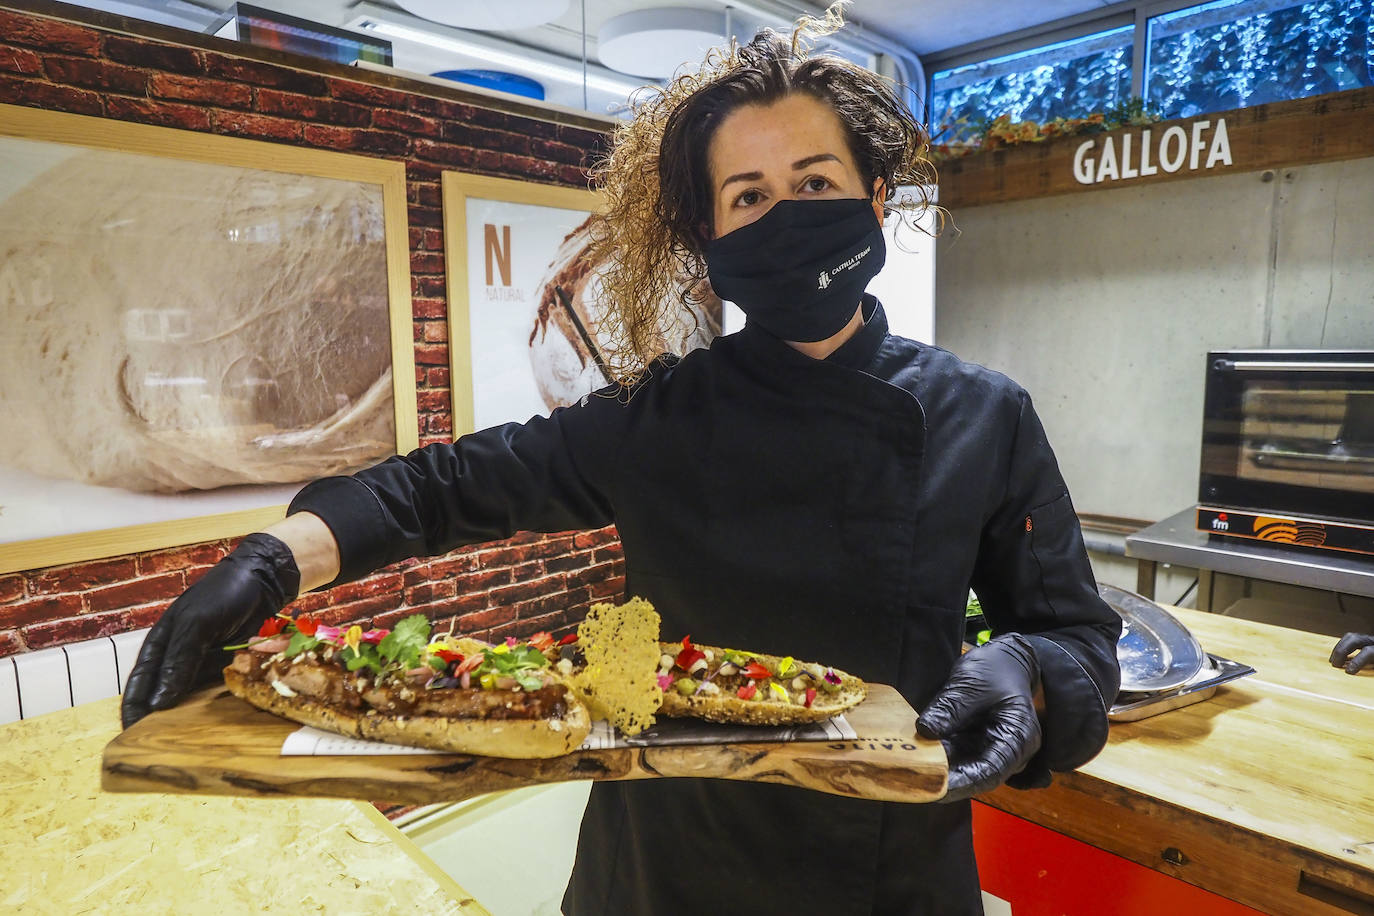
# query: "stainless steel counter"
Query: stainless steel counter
1175,540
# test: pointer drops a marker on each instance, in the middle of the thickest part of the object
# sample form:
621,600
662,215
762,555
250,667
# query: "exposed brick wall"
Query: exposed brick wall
514,587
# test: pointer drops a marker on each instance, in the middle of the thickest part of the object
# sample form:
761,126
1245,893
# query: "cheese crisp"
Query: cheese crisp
620,680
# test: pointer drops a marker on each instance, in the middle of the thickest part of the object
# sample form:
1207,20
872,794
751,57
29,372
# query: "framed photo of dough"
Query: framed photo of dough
524,306
195,326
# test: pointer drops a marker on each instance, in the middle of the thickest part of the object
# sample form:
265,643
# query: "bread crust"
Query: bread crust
731,709
517,738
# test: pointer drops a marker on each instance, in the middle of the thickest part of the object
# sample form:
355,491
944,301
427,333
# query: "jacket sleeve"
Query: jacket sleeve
485,486
1032,577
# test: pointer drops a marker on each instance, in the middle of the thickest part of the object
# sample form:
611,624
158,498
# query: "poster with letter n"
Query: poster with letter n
195,326
527,319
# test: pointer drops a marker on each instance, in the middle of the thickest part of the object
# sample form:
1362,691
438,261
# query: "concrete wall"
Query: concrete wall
1104,305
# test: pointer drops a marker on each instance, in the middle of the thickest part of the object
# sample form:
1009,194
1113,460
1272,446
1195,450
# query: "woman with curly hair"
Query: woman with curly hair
810,484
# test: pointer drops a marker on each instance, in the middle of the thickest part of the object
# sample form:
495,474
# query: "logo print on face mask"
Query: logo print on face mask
824,280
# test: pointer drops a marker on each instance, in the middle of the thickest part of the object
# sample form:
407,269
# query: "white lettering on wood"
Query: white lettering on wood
1083,163
1198,144
1221,146
1127,170
1176,145
1172,162
1106,168
1145,167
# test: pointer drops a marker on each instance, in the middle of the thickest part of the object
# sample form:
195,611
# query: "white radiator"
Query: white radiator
34,683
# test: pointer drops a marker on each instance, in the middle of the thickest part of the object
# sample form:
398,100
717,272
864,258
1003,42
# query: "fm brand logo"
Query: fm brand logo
1220,523
824,280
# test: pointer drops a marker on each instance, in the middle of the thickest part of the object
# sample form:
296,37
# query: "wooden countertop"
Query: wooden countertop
1264,793
67,847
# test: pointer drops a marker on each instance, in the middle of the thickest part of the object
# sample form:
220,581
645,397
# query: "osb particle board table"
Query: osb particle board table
68,848
1263,794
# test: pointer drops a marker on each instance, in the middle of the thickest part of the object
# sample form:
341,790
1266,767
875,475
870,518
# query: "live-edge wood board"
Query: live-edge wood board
217,744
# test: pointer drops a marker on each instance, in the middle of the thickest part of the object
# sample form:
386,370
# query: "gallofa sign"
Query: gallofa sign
1139,156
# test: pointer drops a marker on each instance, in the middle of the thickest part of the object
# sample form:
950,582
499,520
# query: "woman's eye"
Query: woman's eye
748,198
817,184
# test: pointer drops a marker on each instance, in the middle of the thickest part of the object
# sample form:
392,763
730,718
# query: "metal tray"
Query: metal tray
1156,652
1132,707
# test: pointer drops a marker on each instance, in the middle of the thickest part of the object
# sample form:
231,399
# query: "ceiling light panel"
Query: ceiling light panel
497,16
656,43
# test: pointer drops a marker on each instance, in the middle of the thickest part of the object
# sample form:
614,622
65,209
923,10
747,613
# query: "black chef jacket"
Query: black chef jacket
836,510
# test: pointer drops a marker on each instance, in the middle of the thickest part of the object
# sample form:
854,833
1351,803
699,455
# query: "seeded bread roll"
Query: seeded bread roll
727,707
519,738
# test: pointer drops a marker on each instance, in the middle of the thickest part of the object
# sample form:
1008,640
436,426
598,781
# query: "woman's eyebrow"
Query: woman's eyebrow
796,167
812,160
742,176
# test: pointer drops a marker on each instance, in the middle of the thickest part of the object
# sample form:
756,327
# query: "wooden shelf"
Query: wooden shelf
1323,128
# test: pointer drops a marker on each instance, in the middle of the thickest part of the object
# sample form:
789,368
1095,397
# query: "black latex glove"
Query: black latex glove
1361,644
985,716
185,648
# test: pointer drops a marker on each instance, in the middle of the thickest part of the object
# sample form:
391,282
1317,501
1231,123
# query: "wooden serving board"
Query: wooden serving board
218,744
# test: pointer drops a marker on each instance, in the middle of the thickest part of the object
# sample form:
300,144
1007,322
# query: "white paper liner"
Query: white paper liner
314,742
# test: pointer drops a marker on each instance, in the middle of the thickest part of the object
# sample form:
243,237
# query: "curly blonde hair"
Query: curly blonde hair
655,176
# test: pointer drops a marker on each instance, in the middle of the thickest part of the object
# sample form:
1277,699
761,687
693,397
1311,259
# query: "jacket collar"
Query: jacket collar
855,353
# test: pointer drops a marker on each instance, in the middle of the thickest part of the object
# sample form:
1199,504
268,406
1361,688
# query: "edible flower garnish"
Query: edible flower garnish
778,691
471,663
512,642
786,666
353,637
756,671
810,696
566,640
374,636
747,692
329,634
689,655
665,681
307,624
542,640
271,627
831,677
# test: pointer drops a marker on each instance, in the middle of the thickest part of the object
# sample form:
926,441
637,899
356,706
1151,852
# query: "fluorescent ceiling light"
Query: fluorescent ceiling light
522,61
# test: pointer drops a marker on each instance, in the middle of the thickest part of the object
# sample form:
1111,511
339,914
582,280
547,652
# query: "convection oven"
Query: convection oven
1288,448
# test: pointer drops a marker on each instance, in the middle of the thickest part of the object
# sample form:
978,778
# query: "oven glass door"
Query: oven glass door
1290,432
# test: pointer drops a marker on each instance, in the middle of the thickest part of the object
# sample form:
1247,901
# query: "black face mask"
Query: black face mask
799,270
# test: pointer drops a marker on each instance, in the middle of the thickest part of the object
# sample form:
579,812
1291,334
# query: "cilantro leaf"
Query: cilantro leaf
365,657
300,643
406,642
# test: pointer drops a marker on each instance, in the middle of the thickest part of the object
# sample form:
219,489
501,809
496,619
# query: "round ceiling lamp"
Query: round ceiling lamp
656,43
505,14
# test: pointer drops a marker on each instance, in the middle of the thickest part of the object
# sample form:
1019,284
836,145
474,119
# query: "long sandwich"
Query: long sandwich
406,687
751,688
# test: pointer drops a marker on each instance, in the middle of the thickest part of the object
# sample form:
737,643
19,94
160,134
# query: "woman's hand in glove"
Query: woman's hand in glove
1353,652
256,580
985,716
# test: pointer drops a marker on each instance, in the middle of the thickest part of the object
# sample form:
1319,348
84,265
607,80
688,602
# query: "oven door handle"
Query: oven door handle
1248,365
